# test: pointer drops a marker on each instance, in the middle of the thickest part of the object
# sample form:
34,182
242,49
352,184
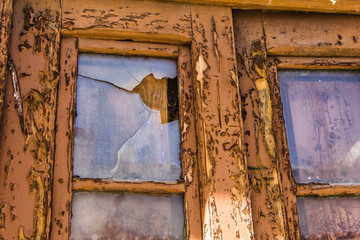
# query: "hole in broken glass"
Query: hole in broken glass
127,125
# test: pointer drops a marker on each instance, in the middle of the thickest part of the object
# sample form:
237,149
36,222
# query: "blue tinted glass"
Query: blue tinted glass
322,116
127,124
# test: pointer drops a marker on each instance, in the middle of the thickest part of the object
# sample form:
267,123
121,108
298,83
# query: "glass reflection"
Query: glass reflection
322,113
329,218
127,124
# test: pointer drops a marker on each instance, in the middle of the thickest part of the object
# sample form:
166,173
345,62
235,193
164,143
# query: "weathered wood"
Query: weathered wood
224,187
314,51
306,34
158,22
65,122
6,9
27,157
283,157
326,190
127,35
63,182
316,63
99,185
190,169
257,113
326,6
128,48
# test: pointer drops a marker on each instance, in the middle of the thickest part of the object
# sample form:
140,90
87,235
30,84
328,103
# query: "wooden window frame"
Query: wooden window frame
64,181
310,63
294,62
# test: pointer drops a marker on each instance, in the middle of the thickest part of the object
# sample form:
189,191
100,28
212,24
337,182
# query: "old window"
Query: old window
321,116
128,145
299,84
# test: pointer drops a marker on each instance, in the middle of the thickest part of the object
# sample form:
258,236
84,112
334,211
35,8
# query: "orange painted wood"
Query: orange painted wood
6,10
128,48
326,190
224,187
99,185
326,6
27,156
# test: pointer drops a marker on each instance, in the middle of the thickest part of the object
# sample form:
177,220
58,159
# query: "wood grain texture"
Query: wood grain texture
157,22
27,157
6,10
224,187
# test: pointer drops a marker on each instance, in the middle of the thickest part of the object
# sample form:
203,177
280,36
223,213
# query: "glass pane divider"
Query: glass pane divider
104,185
326,190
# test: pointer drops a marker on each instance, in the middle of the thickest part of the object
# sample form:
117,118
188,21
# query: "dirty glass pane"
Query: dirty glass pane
322,116
127,124
329,218
126,216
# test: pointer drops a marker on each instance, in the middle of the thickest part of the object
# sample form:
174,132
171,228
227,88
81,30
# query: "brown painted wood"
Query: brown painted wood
6,10
326,190
158,22
225,200
284,166
326,6
305,34
65,121
64,184
265,182
189,159
27,157
100,185
316,63
128,48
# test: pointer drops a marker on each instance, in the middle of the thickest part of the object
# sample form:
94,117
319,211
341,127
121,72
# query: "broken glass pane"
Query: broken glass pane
127,125
329,218
126,216
322,116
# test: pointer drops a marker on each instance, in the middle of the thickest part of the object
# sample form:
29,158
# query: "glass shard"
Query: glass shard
126,216
122,132
329,218
322,113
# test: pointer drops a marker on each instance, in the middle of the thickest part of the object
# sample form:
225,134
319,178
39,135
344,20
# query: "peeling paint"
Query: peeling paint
200,67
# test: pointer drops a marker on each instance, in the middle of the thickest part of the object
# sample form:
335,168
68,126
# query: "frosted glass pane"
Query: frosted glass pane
122,134
329,218
126,216
322,115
